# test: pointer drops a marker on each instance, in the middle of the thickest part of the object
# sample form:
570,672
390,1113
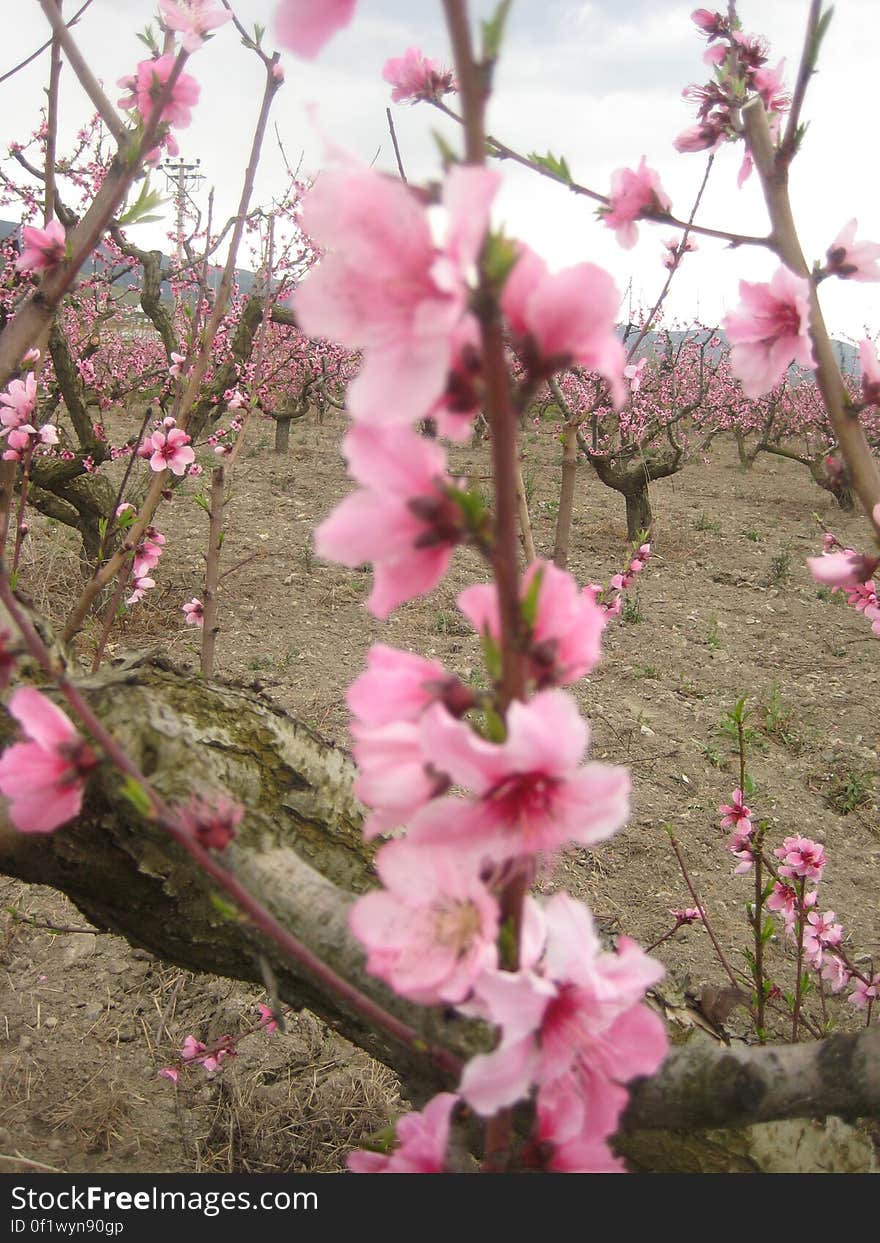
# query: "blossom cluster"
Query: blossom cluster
801,863
739,66
572,1026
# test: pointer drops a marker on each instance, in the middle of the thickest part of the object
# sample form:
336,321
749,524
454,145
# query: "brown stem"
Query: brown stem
722,957
688,229
261,919
473,85
565,514
805,72
110,615
22,64
393,133
22,501
798,988
525,521
35,314
773,173
103,575
212,572
503,152
89,82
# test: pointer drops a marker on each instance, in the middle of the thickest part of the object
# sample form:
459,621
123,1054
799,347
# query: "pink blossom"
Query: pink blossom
770,331
44,777
194,19
852,260
268,1021
414,77
576,1013
146,86
802,858
18,400
433,928
820,932
421,1142
870,379
192,1049
194,612
564,635
784,901
635,193
396,686
402,518
531,792
735,813
835,973
169,1072
395,777
573,1121
148,552
565,318
177,361
686,916
385,288
768,83
304,26
141,585
171,450
676,249
865,992
41,248
699,137
212,820
634,371
712,24
842,569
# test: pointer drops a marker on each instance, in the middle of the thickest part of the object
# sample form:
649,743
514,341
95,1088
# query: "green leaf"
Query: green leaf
530,602
557,166
499,257
140,212
448,157
138,797
202,501
492,31
508,942
749,785
495,730
491,656
226,908
382,1141
471,504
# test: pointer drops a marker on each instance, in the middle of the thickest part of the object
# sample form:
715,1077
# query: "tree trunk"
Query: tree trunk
282,434
525,521
639,518
301,851
562,542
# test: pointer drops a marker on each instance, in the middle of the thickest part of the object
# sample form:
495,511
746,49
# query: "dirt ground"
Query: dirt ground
725,608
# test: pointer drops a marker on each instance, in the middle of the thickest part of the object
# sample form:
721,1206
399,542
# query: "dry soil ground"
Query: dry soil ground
726,608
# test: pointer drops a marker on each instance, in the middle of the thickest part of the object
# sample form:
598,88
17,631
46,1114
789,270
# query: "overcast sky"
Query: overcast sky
598,81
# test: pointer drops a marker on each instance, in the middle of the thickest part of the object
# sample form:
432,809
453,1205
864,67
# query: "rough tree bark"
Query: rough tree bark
300,849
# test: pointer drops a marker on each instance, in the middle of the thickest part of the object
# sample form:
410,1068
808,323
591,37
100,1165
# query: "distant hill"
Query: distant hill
654,343
127,280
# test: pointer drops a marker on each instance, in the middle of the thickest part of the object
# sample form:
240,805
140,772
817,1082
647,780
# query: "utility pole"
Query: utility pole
181,176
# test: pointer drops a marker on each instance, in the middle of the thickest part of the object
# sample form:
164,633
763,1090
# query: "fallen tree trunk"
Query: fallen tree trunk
301,852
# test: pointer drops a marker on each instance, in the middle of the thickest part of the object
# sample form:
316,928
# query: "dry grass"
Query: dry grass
303,1112
100,1113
